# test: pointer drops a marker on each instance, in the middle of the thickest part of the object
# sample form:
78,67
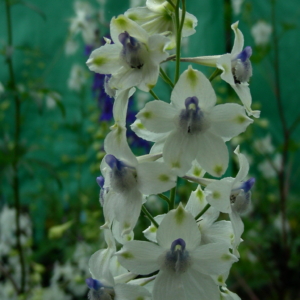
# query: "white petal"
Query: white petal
158,116
238,44
190,22
243,92
238,229
168,286
131,292
140,257
150,232
244,166
196,170
157,44
229,120
121,104
180,149
196,201
121,239
212,259
121,24
220,231
105,60
128,210
149,76
212,154
140,130
115,268
155,178
116,144
224,64
126,78
193,83
110,202
199,286
178,224
218,194
209,61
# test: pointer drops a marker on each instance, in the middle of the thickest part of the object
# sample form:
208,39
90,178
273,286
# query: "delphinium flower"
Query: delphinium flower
235,66
103,285
233,196
133,59
185,267
194,127
159,17
125,178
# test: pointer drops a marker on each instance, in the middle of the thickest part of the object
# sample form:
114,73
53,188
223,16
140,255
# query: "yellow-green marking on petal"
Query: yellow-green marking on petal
188,23
175,164
140,126
220,279
163,177
218,170
216,195
240,119
122,22
127,255
153,229
197,171
180,214
226,257
147,114
192,76
99,61
200,195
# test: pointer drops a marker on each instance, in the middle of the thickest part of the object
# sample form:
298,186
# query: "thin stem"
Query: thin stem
207,206
179,26
216,73
294,125
147,213
171,3
162,196
15,164
173,196
166,78
153,95
10,278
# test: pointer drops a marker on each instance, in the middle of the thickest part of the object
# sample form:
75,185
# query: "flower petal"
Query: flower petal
224,64
212,259
218,194
158,116
238,44
193,83
155,178
244,166
178,224
130,292
212,154
229,120
140,257
105,60
238,229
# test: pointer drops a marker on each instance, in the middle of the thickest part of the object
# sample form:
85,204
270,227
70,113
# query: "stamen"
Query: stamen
241,66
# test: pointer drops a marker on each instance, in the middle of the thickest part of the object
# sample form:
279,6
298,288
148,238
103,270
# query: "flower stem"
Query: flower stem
147,213
216,73
207,206
166,78
153,95
15,164
179,26
162,196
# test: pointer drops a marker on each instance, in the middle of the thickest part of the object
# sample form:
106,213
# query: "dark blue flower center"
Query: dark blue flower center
241,66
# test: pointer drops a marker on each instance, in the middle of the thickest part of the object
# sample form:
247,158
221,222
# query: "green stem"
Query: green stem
166,78
179,26
172,196
153,95
171,3
15,164
162,196
216,73
207,206
147,213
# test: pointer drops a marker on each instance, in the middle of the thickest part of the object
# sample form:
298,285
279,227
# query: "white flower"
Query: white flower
261,32
161,19
77,78
232,196
194,127
103,286
185,267
126,178
236,6
133,59
264,145
235,66
270,167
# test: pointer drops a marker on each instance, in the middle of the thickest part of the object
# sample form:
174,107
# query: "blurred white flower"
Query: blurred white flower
236,6
261,32
264,145
78,78
71,46
268,168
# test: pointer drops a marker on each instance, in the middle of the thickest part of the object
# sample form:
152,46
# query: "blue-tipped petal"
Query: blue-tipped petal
93,284
247,185
100,181
245,54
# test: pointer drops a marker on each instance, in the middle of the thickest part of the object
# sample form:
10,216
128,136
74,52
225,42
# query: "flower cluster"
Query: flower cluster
189,251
